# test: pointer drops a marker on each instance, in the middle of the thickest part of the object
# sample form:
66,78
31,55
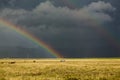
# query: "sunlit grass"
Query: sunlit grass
54,69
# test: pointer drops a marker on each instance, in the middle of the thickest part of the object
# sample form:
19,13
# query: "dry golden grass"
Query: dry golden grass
54,69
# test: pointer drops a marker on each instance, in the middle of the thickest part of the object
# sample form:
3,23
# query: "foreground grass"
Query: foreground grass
53,69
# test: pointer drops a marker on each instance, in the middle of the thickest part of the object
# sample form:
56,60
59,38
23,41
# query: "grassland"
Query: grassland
54,69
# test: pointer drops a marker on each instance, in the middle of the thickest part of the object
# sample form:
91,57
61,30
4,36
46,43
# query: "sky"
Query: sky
74,28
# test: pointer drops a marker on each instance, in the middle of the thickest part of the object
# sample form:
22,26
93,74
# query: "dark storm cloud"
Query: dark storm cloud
48,14
67,30
18,4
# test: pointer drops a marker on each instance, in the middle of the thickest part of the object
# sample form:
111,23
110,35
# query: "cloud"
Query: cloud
98,10
100,6
48,14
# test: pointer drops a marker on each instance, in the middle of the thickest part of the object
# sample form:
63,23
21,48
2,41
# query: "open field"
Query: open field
54,69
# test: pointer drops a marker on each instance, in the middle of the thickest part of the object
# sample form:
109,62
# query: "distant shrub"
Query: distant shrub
34,61
12,62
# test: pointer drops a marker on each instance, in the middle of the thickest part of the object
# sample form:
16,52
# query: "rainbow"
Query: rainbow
30,37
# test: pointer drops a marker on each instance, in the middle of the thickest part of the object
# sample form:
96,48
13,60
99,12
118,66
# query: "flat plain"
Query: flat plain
60,69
